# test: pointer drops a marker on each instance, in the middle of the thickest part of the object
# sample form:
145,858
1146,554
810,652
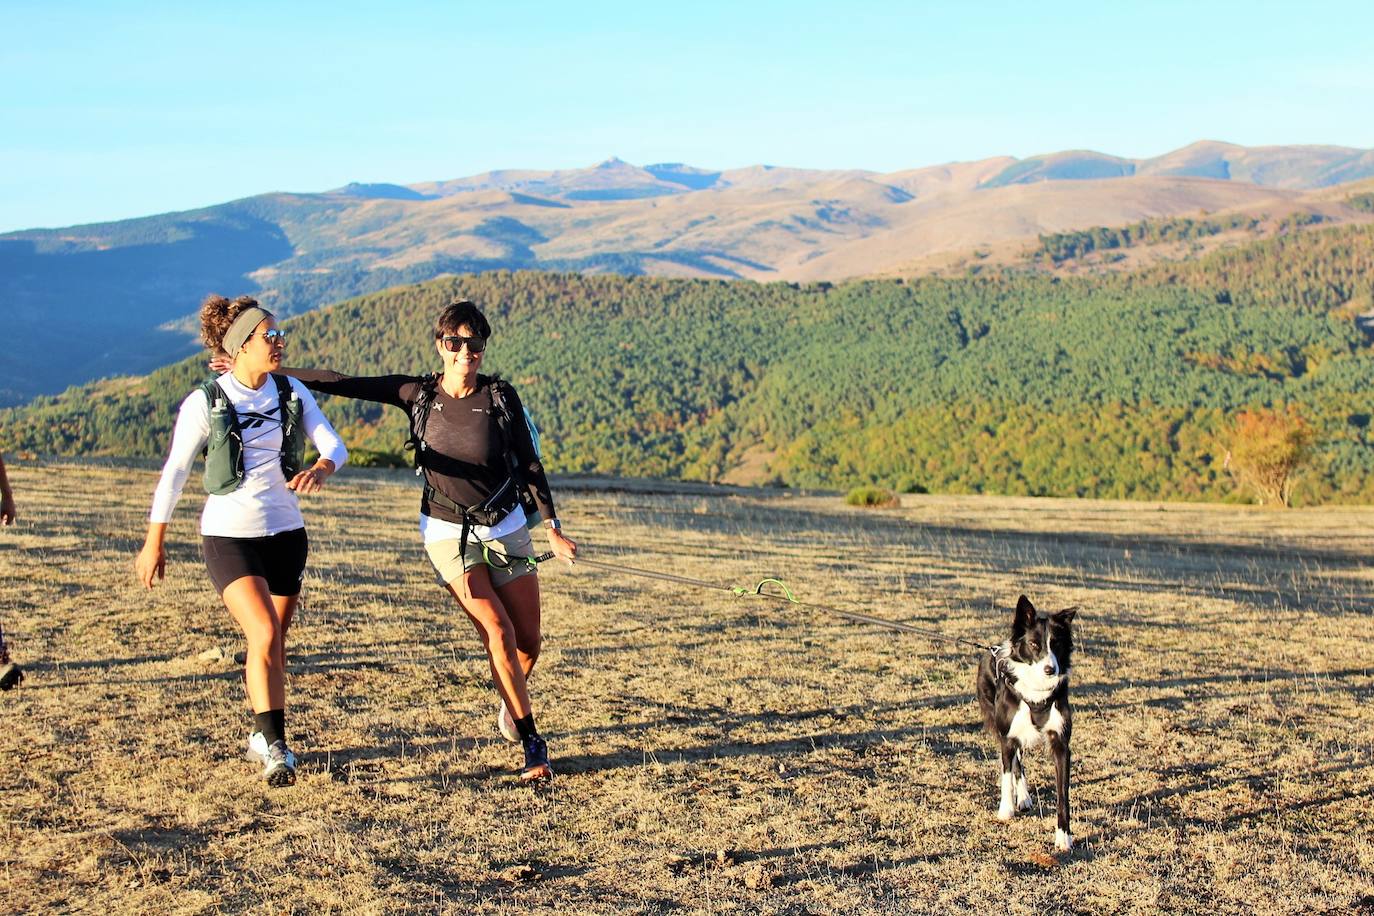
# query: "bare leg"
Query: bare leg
521,598
253,608
479,600
285,606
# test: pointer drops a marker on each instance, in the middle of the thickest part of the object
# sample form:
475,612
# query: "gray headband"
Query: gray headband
241,328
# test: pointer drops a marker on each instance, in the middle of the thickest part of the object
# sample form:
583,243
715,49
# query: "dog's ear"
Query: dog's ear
1025,617
1065,616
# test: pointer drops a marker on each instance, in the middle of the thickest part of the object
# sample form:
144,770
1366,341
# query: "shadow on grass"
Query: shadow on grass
706,861
1106,561
96,664
1211,776
900,531
1267,676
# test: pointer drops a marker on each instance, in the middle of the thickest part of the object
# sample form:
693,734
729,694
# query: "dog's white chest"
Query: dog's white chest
1024,730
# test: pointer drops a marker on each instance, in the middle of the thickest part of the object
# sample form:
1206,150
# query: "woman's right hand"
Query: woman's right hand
150,563
563,548
221,362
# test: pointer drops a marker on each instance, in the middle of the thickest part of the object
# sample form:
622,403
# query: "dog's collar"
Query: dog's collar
1040,706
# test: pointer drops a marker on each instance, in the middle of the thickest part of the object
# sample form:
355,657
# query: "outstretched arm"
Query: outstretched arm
396,390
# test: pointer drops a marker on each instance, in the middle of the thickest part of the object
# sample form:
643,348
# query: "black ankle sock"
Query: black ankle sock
272,724
279,722
525,727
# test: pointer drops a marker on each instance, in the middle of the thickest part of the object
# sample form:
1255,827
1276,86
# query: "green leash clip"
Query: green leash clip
758,590
487,553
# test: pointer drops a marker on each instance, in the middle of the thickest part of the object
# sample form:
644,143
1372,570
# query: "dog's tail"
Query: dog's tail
985,686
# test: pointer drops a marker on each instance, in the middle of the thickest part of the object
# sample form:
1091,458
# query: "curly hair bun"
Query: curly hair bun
217,313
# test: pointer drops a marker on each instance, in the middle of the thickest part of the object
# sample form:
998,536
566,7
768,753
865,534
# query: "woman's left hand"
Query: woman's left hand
563,548
311,480
221,361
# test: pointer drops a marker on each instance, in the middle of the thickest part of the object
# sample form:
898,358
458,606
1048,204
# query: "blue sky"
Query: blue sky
112,110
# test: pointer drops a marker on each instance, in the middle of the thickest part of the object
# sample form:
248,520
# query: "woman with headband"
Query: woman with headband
252,424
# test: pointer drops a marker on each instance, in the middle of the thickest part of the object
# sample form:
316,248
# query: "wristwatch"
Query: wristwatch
553,524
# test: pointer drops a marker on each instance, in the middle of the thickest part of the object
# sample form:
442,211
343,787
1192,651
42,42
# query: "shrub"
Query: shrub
1267,448
871,497
367,458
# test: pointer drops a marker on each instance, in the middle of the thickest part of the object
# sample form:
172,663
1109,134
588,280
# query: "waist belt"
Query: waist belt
488,513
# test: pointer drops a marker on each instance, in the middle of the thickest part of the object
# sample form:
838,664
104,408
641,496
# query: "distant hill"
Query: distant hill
112,298
1019,381
1293,167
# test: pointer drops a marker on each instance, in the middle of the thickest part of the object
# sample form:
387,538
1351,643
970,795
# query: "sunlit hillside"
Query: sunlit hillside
1115,384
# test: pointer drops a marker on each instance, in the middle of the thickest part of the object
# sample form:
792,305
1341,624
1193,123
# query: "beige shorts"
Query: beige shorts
449,566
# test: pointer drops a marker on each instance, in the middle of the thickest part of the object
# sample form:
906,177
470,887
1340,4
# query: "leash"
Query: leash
787,597
757,592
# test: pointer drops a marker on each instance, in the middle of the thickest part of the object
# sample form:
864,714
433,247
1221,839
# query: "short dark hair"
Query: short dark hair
461,312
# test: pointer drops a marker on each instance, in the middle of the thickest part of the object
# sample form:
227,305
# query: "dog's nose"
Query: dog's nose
1049,669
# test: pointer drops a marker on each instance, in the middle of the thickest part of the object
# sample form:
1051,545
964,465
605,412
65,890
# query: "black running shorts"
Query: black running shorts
278,558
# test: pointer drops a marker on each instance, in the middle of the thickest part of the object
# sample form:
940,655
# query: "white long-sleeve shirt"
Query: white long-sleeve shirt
262,505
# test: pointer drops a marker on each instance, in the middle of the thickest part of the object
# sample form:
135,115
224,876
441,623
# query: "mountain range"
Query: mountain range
114,298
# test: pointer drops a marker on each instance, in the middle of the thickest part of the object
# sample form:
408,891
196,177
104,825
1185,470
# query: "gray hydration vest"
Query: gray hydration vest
224,448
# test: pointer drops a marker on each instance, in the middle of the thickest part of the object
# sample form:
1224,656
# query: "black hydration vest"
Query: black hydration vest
506,497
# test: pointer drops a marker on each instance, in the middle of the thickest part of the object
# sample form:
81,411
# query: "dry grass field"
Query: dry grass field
715,754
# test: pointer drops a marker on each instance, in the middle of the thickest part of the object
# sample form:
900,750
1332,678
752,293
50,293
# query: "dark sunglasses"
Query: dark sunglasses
454,344
274,337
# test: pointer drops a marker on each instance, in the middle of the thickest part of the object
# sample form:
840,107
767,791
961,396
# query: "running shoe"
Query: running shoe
536,768
257,748
278,763
505,724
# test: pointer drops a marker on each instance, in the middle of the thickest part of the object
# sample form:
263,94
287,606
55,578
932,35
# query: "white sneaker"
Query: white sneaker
257,748
506,725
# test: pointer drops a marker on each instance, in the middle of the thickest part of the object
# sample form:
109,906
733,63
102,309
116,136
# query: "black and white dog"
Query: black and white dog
1023,690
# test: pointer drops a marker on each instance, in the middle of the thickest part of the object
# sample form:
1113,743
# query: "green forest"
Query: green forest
1058,247
1019,382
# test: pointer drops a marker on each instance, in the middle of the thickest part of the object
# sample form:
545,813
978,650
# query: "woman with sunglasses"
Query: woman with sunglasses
253,536
475,462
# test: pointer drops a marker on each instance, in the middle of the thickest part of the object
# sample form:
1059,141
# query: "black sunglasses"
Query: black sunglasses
274,336
474,344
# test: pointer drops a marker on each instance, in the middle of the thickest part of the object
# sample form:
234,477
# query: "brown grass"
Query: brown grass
716,754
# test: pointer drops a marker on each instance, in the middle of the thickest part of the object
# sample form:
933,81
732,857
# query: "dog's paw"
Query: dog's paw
1063,841
1006,813
1024,801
